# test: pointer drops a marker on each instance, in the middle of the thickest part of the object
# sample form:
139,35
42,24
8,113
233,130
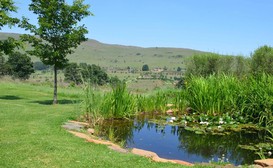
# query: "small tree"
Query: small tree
58,31
262,60
6,7
179,69
20,65
94,74
2,65
72,73
145,67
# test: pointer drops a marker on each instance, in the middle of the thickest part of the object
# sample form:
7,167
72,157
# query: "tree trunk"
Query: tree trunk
55,101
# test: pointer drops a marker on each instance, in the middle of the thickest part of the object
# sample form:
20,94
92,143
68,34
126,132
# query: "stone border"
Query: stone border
111,145
77,126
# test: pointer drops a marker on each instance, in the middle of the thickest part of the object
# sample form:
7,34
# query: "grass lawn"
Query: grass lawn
31,134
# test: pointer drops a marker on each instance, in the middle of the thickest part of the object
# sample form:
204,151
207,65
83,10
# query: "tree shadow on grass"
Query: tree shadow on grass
50,102
10,97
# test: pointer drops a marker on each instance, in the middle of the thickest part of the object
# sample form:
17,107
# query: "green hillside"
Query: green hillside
119,56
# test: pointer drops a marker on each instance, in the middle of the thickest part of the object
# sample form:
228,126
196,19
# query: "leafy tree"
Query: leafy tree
114,81
72,73
6,7
262,60
2,65
58,32
20,65
84,72
208,64
145,67
178,69
94,74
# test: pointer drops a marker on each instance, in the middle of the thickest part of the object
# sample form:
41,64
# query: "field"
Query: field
32,136
118,56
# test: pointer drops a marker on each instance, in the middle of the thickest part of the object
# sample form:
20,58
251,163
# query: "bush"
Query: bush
85,73
262,61
209,64
19,65
145,67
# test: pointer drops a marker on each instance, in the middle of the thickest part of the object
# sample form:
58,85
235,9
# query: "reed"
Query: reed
216,95
246,99
119,103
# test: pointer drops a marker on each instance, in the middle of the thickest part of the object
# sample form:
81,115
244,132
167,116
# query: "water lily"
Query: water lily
173,118
269,153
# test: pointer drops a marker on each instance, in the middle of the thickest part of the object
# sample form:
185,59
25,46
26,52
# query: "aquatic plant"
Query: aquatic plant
91,105
118,103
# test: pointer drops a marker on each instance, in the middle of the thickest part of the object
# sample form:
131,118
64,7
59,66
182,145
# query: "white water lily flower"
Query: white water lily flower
171,121
269,153
173,118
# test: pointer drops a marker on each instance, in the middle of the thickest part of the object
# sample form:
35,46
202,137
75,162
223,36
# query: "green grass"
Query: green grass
31,134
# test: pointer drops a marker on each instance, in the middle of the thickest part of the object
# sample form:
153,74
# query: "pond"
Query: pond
174,142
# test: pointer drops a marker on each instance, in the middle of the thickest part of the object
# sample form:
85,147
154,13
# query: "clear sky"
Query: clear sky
235,27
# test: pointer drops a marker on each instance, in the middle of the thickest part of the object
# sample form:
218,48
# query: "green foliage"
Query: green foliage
145,67
6,7
31,133
85,73
262,61
58,32
114,81
178,69
20,65
72,73
94,74
249,98
3,70
208,64
119,103
214,95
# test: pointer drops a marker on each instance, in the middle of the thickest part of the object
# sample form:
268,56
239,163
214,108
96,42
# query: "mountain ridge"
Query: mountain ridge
116,55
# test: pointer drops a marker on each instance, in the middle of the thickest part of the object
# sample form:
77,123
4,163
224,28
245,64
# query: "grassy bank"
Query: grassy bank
31,134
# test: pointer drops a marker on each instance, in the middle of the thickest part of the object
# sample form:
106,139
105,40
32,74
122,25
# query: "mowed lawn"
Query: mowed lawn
31,134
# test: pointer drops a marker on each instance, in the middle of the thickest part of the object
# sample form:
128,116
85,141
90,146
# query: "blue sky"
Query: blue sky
235,27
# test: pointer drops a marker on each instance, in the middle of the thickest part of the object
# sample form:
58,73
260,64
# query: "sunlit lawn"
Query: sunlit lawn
31,134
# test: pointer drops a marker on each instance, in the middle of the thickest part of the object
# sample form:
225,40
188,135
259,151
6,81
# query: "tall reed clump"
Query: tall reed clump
119,103
91,104
213,95
256,100
156,102
249,97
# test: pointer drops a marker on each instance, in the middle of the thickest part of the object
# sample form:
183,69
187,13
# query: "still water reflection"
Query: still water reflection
174,142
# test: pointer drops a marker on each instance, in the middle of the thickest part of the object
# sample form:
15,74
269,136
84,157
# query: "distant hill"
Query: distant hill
120,56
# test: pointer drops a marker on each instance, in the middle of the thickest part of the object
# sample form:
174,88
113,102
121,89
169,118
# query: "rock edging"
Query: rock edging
136,151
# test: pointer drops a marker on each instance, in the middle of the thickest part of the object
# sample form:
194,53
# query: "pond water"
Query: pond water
174,142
